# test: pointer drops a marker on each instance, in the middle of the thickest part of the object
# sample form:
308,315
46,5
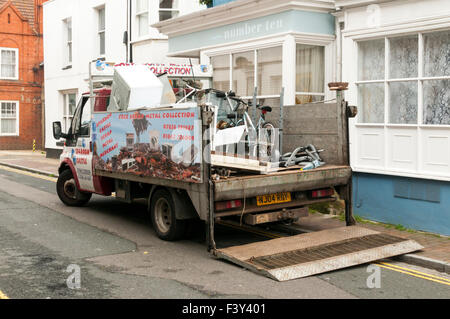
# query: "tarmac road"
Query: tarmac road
119,256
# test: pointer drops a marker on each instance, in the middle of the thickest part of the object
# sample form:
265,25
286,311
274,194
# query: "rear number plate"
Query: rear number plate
273,199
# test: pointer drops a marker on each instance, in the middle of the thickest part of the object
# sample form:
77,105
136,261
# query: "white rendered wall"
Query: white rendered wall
85,48
418,150
153,47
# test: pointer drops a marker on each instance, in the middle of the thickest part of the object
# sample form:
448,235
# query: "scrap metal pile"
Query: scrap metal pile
144,161
308,156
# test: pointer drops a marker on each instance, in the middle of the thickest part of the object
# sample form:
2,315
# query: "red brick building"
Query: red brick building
21,74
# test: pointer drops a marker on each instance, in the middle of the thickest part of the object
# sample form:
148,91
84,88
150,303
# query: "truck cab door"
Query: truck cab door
78,145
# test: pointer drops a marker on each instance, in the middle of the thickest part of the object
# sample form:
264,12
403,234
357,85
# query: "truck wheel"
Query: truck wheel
68,192
163,216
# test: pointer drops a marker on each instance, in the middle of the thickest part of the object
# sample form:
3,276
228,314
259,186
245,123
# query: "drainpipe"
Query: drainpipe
130,31
339,28
126,37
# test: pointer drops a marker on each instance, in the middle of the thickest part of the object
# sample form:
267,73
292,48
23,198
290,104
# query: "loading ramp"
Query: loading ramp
313,253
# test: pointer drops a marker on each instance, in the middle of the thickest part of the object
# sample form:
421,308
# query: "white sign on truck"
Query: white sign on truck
135,87
106,69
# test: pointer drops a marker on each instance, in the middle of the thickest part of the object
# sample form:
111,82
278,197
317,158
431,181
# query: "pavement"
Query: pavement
35,162
435,254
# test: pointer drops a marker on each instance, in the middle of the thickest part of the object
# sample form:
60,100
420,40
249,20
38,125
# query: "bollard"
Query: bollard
34,145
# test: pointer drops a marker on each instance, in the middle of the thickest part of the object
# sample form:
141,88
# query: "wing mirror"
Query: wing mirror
57,131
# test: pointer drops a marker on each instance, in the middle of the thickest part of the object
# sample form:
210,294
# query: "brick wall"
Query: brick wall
20,27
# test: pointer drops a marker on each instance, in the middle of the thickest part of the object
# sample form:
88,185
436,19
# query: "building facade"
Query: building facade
394,54
147,44
21,74
264,44
80,31
76,33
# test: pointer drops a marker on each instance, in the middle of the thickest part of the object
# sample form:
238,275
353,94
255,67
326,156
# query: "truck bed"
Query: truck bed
283,181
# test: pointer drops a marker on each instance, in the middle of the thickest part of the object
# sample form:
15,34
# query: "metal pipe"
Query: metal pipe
206,179
255,92
281,124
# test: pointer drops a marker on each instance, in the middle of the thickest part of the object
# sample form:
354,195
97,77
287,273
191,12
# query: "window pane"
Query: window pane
437,53
8,64
302,99
8,110
371,102
269,71
143,24
221,74
8,126
72,103
404,57
141,6
244,73
69,30
101,19
166,15
436,102
371,60
8,118
69,49
168,4
403,102
102,42
310,69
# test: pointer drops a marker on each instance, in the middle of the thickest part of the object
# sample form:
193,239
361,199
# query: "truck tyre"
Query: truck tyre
68,192
163,217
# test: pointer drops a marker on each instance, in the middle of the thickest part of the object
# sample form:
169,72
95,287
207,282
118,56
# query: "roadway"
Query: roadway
119,256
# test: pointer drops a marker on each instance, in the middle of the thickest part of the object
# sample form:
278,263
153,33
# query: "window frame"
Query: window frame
167,10
101,31
420,79
138,15
16,118
16,71
68,42
314,94
382,155
255,50
67,118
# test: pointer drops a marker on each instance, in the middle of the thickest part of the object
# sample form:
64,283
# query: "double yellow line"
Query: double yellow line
385,265
3,296
414,273
18,171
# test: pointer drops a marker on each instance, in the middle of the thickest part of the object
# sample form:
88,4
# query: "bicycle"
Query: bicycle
260,140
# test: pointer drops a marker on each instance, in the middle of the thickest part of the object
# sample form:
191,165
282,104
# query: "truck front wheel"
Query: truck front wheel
68,192
164,220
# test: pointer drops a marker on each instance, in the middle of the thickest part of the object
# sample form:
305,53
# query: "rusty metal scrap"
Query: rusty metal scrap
149,163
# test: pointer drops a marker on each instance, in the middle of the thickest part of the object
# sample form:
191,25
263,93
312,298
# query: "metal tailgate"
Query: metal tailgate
317,252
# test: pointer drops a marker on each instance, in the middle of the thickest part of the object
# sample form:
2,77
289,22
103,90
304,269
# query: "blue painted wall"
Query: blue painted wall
291,20
219,2
414,203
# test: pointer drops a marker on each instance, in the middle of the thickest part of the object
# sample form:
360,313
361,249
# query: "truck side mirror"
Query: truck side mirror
57,130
